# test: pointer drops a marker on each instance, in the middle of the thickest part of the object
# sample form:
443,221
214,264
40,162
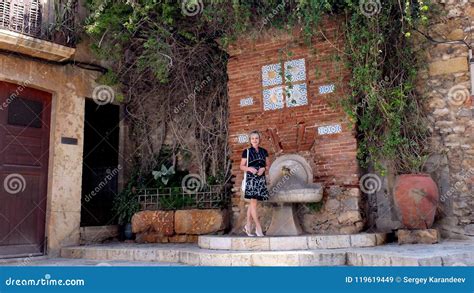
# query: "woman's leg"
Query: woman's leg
249,217
254,213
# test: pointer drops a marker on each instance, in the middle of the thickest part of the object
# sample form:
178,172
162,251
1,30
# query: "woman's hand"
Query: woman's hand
261,171
252,170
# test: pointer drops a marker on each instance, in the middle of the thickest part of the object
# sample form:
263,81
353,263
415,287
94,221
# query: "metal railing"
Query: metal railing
51,20
178,198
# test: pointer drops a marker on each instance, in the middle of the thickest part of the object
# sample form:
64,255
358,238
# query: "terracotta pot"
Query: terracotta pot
416,198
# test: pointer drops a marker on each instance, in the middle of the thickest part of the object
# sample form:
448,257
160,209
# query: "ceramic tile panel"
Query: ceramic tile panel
296,95
272,74
295,70
273,98
326,89
248,101
329,129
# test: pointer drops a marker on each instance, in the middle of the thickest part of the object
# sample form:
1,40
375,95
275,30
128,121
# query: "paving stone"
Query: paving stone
288,243
215,259
251,243
329,241
145,254
363,240
220,243
204,242
322,259
241,259
275,259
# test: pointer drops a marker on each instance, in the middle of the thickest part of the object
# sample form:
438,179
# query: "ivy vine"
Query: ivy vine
162,49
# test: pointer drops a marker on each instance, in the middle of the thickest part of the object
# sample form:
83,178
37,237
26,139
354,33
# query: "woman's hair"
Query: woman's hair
254,132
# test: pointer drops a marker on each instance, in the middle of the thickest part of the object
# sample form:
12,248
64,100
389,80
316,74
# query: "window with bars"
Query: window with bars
23,16
53,20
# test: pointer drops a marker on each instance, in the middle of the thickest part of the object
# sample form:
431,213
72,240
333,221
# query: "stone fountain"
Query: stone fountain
291,182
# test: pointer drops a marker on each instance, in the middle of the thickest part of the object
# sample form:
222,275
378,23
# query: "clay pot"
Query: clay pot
416,198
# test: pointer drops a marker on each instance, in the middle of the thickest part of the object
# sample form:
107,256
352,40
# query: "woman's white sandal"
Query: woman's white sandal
247,231
259,233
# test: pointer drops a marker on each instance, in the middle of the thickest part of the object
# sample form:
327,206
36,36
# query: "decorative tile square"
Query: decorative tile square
272,75
248,101
295,70
296,95
326,89
273,98
329,129
243,138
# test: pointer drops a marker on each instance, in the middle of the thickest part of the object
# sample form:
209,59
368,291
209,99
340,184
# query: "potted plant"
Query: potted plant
415,193
126,205
62,29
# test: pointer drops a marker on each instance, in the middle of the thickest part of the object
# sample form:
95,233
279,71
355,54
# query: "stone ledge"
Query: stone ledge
286,243
23,44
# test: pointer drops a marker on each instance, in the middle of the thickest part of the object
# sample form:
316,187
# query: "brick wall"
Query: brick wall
294,129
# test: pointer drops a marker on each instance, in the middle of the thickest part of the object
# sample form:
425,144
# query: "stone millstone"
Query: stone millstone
424,236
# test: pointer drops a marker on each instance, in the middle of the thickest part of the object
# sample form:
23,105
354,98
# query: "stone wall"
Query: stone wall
177,226
69,87
446,82
315,127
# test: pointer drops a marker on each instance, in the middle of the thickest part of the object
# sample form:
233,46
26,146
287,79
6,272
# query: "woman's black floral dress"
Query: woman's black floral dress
255,186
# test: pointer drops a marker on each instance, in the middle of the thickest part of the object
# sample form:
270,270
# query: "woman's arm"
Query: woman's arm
243,164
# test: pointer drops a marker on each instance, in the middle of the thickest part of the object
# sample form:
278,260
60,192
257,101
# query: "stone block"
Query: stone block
349,217
452,65
424,236
199,222
363,240
328,241
251,243
288,243
275,259
220,243
215,259
161,222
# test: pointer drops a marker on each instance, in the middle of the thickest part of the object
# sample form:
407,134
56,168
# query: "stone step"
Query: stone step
286,243
446,253
203,257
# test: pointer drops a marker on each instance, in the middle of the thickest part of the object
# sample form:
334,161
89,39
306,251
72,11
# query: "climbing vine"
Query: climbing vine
169,59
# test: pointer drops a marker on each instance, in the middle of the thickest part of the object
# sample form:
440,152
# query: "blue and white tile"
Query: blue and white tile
273,98
326,89
296,95
272,75
329,129
295,70
248,101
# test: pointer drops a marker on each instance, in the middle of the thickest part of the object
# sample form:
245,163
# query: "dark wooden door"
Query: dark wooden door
25,115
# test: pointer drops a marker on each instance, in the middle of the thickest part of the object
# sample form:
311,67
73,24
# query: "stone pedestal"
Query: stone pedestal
284,221
422,236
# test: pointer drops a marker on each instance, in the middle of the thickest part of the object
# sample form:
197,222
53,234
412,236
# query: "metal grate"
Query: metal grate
208,197
26,17
23,16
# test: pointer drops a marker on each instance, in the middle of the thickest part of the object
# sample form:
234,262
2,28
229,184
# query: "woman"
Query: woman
255,188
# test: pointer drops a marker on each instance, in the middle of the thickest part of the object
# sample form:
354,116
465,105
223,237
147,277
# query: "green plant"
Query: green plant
143,36
126,202
164,174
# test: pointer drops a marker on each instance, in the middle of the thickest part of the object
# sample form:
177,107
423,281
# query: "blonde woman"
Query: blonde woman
255,189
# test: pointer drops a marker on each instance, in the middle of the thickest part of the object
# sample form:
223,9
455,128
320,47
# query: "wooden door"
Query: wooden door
24,152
